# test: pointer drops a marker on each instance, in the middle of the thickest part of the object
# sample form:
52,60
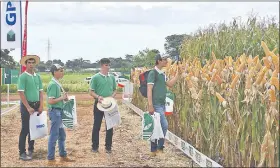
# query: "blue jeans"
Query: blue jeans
56,133
164,125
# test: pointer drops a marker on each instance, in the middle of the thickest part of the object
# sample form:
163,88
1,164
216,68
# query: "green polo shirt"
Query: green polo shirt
54,91
31,85
103,85
159,86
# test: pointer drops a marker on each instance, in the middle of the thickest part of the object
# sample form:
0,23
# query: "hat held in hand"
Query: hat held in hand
107,104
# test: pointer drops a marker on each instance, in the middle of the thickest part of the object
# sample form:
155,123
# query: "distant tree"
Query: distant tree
58,61
49,64
42,66
145,58
129,57
6,60
173,42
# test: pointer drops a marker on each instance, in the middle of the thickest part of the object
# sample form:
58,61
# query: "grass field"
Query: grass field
72,82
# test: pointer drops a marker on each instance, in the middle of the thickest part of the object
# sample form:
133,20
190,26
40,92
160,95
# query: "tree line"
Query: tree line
144,57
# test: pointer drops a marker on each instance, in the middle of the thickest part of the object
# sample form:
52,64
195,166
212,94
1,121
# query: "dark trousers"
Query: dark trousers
25,128
98,116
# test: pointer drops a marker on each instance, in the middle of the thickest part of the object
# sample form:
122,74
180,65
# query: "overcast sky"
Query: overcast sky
93,30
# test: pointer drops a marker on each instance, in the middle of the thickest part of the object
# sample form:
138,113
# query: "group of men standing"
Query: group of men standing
102,86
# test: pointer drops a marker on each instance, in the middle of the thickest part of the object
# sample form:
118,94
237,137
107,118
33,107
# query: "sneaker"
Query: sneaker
30,154
24,157
94,150
66,159
108,151
53,163
153,154
160,151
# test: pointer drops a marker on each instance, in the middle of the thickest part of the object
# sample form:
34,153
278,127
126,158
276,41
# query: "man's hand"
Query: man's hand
40,110
100,98
66,99
113,95
30,110
151,109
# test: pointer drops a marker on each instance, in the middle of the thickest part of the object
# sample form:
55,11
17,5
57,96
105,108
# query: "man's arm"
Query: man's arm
172,81
96,96
114,93
54,101
40,110
21,89
23,100
41,93
92,88
150,85
150,99
150,94
114,87
93,94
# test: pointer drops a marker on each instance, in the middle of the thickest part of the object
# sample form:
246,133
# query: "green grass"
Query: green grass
5,106
72,82
68,77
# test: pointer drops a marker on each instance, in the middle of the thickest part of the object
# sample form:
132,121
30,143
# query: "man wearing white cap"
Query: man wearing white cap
30,89
103,89
157,82
56,96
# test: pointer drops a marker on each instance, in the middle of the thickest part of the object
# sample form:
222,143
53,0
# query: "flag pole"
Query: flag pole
21,54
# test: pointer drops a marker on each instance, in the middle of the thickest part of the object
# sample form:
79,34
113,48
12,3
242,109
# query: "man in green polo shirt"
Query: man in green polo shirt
56,96
102,85
30,90
157,82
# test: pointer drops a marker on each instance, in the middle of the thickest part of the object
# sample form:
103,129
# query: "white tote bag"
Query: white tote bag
112,118
157,132
38,127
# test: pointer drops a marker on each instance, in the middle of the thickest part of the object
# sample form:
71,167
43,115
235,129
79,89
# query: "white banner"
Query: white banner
128,91
10,25
198,157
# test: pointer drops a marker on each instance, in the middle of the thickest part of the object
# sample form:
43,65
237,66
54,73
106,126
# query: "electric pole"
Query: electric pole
49,47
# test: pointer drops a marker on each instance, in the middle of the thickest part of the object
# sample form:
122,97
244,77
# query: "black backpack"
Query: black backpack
143,77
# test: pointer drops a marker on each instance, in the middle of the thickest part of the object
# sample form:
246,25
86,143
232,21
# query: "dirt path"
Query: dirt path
128,148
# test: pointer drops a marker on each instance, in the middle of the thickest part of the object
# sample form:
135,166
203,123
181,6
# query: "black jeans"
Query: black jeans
98,116
25,127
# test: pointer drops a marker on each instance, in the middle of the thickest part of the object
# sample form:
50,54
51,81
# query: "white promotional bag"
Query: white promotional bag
38,127
112,118
157,132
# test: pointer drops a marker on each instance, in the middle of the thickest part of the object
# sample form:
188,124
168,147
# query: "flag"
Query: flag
11,25
24,42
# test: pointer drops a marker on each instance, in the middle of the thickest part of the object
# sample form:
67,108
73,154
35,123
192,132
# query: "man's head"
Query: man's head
105,65
30,61
161,61
57,71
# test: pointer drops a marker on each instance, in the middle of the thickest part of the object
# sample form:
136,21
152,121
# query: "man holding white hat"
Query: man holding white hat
30,89
103,89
